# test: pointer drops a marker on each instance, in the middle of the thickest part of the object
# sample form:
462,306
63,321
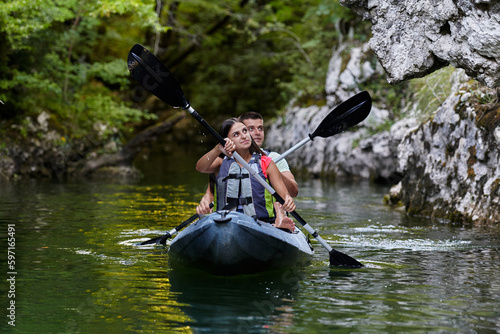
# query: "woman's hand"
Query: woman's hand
228,148
203,208
289,205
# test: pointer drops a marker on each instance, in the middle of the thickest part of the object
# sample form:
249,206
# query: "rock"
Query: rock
340,84
445,166
117,173
451,161
395,195
43,121
349,154
7,167
412,38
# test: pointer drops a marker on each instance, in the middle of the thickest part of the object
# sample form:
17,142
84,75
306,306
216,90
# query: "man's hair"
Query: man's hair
250,115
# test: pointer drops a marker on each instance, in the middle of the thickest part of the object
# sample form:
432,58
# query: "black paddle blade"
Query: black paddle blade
158,240
151,241
163,239
345,115
153,75
339,259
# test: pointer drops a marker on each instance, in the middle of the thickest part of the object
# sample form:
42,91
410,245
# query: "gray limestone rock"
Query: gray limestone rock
412,38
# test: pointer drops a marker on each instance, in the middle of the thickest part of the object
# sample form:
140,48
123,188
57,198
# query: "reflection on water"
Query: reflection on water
249,303
80,269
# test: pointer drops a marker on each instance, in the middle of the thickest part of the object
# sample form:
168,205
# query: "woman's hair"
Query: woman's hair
224,132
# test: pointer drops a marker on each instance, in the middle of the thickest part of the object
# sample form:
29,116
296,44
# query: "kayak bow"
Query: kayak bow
232,243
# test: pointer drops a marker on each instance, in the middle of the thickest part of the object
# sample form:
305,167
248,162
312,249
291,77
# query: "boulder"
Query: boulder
413,38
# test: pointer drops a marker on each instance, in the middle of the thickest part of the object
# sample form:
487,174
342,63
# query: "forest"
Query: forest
68,60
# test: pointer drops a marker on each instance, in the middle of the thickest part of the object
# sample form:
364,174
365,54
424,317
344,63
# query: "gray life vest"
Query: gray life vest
235,186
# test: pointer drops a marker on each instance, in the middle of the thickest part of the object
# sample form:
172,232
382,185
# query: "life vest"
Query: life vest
235,186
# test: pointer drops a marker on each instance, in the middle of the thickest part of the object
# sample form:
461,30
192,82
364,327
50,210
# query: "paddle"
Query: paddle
163,239
348,113
156,78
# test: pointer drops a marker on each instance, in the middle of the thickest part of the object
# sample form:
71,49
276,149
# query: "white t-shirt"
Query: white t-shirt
282,164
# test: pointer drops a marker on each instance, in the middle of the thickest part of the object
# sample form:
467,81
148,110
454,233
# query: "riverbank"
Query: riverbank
37,150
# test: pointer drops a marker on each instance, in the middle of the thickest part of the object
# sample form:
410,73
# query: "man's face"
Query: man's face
256,130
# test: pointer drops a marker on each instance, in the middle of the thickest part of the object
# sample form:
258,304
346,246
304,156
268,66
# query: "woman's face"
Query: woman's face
239,134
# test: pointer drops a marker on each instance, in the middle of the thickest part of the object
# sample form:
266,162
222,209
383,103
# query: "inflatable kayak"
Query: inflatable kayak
231,243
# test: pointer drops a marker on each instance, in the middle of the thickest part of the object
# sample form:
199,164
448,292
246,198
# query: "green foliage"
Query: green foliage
111,73
68,57
96,108
254,57
23,18
431,90
56,60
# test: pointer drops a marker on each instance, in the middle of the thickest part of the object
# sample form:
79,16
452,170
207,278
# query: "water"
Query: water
79,269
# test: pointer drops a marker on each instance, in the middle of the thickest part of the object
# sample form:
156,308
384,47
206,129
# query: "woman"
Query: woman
235,187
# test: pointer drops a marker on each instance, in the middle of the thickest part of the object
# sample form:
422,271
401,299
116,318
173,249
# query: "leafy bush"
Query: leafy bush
68,57
50,60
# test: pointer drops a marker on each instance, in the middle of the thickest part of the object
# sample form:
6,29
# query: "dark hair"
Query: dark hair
224,132
250,115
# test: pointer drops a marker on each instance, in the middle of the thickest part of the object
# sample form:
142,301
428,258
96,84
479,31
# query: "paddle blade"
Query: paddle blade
163,239
345,115
158,240
150,241
339,259
153,75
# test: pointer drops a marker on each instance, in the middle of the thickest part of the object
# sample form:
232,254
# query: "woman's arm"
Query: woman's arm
274,176
290,183
204,206
210,162
286,174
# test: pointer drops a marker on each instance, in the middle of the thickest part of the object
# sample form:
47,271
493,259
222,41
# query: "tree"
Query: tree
252,55
65,57
68,57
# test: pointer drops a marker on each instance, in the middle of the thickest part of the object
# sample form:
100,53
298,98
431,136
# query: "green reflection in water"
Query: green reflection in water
80,269
136,292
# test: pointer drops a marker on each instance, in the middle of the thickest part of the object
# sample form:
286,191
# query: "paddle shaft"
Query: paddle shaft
294,148
162,239
266,185
174,231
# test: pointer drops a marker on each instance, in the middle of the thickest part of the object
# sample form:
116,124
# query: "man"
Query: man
255,124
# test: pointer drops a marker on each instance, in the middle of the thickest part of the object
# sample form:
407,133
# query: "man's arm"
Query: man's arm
286,175
290,183
204,206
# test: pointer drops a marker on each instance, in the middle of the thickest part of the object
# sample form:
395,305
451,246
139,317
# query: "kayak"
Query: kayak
232,243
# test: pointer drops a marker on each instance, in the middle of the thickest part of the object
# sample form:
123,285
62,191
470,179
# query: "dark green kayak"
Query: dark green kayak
232,243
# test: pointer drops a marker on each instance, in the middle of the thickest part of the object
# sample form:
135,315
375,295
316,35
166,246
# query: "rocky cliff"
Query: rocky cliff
451,161
413,38
447,158
366,153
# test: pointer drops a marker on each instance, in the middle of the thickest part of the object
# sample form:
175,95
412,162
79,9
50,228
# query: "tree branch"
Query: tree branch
132,148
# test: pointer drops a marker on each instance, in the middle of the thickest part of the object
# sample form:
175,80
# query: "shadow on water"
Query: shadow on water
173,164
237,304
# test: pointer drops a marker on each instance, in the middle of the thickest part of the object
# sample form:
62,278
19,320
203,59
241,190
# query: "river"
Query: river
78,269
